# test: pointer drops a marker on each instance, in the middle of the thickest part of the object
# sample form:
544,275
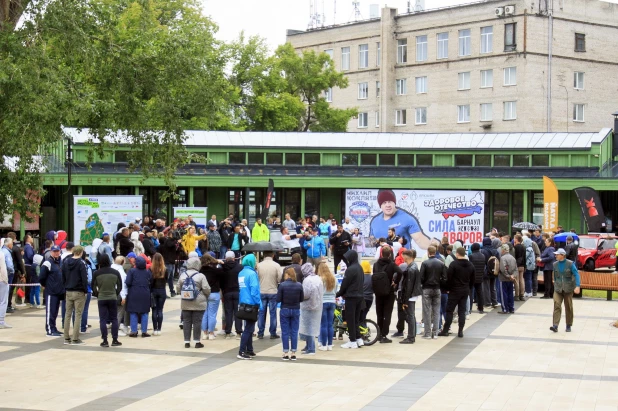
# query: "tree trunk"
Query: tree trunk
10,12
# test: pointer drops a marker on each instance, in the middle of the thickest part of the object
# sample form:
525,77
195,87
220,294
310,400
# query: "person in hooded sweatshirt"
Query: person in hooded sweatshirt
311,308
478,261
75,278
385,303
106,286
489,282
460,277
231,292
193,310
249,284
352,290
138,298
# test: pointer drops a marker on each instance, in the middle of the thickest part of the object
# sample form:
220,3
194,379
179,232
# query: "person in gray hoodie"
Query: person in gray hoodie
193,310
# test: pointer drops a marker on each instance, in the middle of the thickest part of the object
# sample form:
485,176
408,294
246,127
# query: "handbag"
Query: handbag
540,264
247,312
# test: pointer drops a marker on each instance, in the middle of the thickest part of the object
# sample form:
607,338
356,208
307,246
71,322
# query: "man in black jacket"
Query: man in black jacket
478,261
411,290
433,273
149,248
460,278
384,303
520,258
231,290
341,241
20,271
352,290
50,277
167,248
75,277
125,245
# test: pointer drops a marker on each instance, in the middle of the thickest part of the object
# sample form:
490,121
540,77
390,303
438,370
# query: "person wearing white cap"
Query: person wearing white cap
566,282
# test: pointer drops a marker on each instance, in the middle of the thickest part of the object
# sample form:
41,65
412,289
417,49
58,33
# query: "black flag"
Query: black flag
592,209
269,194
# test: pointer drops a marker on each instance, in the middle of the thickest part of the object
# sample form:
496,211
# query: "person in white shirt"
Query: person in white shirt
347,226
245,229
123,326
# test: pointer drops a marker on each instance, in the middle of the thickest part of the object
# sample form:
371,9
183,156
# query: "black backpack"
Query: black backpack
381,284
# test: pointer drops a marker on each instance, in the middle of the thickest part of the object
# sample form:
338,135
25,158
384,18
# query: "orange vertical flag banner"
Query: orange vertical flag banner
550,210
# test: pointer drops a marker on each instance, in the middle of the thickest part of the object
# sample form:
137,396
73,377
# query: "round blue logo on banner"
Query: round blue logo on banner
359,211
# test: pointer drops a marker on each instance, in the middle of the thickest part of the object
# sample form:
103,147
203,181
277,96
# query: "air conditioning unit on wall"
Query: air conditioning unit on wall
509,10
499,11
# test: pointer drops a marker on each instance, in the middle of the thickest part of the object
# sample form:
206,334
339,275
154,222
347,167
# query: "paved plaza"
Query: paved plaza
505,362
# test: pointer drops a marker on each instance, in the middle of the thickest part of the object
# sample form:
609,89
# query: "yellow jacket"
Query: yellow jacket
189,242
260,233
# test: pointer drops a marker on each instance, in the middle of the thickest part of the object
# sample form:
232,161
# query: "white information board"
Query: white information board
95,215
199,214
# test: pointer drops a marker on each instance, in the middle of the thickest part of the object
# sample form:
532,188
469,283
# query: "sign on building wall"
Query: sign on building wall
95,215
199,214
417,215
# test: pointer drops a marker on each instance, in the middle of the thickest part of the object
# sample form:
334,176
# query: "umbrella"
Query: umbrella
261,246
562,237
526,226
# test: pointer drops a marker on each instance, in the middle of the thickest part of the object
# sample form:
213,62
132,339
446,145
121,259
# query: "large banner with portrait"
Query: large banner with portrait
416,215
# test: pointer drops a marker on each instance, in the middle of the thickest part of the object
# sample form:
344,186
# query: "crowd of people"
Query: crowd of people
130,270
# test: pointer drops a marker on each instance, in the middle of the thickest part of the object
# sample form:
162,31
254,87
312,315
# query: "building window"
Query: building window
509,37
400,117
578,113
378,54
510,76
387,159
402,51
510,110
363,120
442,45
421,115
256,158
369,159
464,81
463,114
421,48
363,91
363,56
345,58
578,80
401,88
502,160
521,161
238,158
424,160
293,159
487,78
482,160
330,54
540,160
328,95
377,89
486,112
377,119
465,42
312,159
405,160
349,159
487,39
312,202
121,156
421,85
463,160
580,42
274,159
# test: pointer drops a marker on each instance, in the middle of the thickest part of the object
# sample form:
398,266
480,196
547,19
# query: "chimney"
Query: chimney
615,139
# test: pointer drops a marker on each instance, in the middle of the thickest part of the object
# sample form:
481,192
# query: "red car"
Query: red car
596,251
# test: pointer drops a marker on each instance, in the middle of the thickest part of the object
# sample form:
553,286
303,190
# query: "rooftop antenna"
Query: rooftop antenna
356,12
409,6
316,19
419,6
335,13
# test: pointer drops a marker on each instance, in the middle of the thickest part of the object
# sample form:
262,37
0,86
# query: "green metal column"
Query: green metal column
22,228
526,216
302,202
190,197
136,190
79,190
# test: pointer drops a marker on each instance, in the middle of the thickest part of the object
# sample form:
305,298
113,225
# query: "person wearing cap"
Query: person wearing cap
149,248
507,275
50,277
566,282
129,261
406,224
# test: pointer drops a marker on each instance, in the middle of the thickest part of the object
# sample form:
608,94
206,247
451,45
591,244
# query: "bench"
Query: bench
590,280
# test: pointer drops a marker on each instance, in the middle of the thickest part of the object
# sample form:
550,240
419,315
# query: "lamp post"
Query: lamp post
68,162
615,140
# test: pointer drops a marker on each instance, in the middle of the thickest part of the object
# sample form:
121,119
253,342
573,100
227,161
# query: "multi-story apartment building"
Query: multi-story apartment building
491,66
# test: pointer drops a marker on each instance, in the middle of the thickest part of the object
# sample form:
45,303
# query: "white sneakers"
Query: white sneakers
350,344
329,348
212,337
360,342
156,333
322,348
122,333
204,335
222,332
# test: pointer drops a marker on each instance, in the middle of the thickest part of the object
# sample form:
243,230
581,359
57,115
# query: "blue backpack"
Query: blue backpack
189,290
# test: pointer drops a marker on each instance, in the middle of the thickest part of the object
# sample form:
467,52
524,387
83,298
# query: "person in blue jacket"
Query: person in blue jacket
51,278
249,285
316,250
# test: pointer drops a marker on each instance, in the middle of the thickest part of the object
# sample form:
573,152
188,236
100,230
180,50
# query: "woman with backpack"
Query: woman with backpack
157,291
328,307
138,296
194,291
310,308
213,272
386,275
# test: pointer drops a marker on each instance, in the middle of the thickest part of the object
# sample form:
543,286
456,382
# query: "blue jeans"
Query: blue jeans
246,340
289,318
528,280
222,251
310,340
35,295
209,321
507,296
443,301
326,324
499,291
269,301
169,271
144,320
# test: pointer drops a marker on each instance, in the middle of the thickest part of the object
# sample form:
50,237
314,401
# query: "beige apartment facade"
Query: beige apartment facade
481,67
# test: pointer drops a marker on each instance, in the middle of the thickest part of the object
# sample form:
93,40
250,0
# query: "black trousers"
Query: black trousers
108,312
401,317
353,308
230,304
410,319
548,283
478,287
456,299
384,312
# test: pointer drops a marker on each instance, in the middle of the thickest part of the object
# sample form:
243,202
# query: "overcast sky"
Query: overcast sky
271,18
